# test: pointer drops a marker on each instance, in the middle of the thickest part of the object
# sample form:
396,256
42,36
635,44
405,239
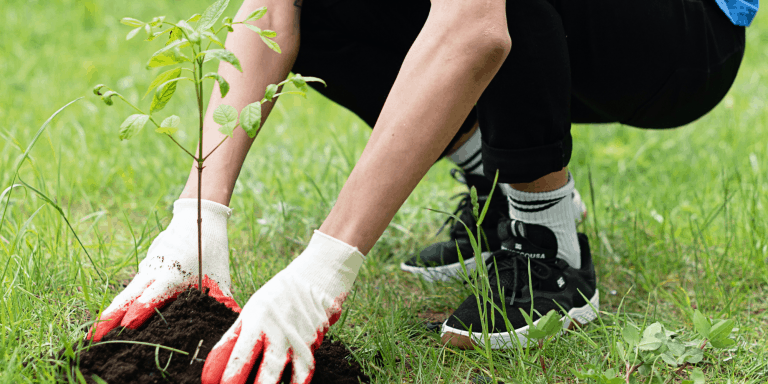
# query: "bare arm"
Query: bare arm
261,67
458,52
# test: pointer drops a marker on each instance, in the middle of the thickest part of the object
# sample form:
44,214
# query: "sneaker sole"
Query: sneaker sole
463,339
448,272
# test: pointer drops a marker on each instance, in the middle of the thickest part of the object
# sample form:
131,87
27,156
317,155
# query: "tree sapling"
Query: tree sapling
190,35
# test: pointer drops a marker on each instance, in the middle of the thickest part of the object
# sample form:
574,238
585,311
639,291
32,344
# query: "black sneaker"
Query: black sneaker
555,286
440,261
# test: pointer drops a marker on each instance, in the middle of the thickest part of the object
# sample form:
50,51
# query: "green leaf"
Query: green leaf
676,348
298,81
721,330
107,98
131,22
268,33
270,92
550,324
132,125
163,96
254,28
653,338
631,335
97,89
132,33
527,318
159,33
98,380
669,358
723,343
702,324
250,118
212,38
157,21
211,14
697,376
169,55
176,34
162,78
226,116
257,14
310,79
693,356
223,84
223,55
194,18
186,27
170,125
271,44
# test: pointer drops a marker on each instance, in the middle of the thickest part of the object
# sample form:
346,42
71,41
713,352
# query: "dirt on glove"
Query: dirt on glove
190,318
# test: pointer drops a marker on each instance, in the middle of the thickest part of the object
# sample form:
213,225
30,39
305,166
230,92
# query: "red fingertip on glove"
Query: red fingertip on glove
102,327
217,360
216,293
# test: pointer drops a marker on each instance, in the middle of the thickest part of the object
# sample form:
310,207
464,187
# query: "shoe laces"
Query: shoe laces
512,271
463,210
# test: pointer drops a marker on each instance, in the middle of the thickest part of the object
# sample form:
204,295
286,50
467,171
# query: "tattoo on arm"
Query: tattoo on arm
297,24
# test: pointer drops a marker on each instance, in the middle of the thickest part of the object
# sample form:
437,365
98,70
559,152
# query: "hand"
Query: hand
171,267
286,320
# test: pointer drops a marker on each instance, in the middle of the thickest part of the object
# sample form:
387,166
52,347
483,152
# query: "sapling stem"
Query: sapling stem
200,160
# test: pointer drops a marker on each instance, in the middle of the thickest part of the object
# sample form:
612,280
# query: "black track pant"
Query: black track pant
644,63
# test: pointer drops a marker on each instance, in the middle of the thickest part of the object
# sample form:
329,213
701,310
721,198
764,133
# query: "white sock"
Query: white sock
469,157
554,210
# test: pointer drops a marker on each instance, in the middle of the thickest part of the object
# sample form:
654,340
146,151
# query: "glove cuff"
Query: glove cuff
330,261
208,207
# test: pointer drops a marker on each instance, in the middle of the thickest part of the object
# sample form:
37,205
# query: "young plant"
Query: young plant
188,47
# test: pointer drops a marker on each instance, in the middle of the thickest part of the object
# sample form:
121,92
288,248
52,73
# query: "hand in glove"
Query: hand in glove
286,319
171,267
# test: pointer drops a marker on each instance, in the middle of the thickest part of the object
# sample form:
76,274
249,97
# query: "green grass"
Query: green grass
677,222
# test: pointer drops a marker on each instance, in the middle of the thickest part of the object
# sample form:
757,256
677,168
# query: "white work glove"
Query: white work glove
286,319
171,267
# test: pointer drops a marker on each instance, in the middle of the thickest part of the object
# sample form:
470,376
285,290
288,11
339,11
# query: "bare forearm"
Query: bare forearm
442,77
261,67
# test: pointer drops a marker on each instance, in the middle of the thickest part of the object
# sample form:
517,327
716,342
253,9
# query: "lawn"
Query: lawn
677,218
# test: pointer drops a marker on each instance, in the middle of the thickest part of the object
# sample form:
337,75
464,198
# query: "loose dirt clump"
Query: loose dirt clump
190,318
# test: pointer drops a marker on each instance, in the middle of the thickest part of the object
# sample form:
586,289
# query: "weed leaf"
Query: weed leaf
226,116
653,337
257,14
223,84
132,125
162,78
211,14
702,324
170,125
631,335
722,343
223,55
194,18
163,96
250,118
721,330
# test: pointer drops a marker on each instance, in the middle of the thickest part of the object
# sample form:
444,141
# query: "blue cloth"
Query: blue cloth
741,12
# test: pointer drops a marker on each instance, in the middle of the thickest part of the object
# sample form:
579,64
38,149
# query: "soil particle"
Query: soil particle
191,318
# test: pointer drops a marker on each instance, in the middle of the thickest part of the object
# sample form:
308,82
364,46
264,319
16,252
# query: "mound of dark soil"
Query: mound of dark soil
191,318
